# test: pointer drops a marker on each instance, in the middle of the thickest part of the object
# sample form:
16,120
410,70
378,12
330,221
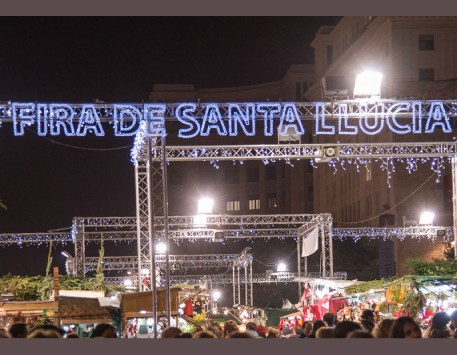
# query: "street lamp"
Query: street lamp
205,205
368,84
161,248
282,267
426,218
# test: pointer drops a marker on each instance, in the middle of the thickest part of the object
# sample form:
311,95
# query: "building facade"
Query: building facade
251,187
418,59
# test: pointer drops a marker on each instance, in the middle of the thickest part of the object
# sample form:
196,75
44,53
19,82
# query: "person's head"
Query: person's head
367,325
360,334
261,330
345,327
382,328
440,320
368,314
104,330
439,333
318,324
325,332
405,327
287,332
204,334
251,326
18,330
3,333
453,318
307,327
72,336
238,334
171,332
217,329
44,333
273,332
229,327
329,318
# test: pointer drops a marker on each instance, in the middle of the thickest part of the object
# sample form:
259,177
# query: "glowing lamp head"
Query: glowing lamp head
205,206
282,267
426,218
161,248
368,84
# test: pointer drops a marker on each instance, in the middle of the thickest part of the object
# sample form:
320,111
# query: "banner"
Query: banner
310,242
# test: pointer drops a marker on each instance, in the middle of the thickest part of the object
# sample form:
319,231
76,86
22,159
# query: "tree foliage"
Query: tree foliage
434,268
38,288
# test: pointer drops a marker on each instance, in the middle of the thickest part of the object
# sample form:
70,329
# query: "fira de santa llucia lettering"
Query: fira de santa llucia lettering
229,119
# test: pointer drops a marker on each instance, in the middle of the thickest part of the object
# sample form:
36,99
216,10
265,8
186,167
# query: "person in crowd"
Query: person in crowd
307,329
439,333
360,333
453,325
238,334
345,327
273,333
439,322
368,320
171,332
204,334
405,327
330,319
18,330
217,329
229,327
262,331
251,327
316,325
287,333
325,332
72,336
44,333
3,333
382,328
104,330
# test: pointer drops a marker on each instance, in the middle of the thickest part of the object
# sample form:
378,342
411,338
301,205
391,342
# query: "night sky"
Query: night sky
46,181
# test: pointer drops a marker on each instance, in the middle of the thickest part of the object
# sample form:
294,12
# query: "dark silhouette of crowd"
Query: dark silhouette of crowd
441,325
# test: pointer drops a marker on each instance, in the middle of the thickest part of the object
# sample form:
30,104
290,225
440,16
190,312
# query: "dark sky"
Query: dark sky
116,59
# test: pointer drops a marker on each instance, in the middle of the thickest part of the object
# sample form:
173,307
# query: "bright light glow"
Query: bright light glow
144,271
426,218
282,267
205,205
143,311
225,312
161,248
368,84
216,295
200,221
128,283
150,321
66,254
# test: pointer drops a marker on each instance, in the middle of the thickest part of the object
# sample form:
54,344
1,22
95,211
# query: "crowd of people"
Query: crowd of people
442,325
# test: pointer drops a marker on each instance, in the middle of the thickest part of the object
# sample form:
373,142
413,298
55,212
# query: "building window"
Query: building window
329,54
254,203
233,205
253,174
231,176
272,200
426,74
426,42
270,172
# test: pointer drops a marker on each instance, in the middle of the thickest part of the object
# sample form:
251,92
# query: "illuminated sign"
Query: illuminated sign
232,119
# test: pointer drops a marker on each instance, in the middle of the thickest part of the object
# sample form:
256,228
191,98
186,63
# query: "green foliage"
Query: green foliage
367,286
39,288
434,268
414,301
